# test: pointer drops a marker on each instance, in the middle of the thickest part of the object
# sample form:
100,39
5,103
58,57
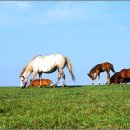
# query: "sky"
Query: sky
88,32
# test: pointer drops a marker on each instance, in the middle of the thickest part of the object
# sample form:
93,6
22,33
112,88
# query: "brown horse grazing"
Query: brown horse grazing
44,82
113,78
122,77
101,68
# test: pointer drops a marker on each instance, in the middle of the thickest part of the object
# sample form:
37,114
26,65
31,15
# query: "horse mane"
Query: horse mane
27,65
94,68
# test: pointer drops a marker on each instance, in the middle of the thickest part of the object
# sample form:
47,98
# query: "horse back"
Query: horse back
125,74
102,67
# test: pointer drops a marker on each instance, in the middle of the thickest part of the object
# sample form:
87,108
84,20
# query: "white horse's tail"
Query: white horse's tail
69,65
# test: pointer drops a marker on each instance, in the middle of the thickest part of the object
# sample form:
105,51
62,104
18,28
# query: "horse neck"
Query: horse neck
92,71
27,71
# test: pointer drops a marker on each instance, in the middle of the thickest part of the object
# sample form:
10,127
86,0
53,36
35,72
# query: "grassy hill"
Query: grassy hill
71,107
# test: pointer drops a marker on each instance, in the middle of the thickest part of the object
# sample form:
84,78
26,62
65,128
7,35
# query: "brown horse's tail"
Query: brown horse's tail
69,65
112,68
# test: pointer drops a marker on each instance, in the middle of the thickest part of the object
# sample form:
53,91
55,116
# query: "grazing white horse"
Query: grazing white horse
46,64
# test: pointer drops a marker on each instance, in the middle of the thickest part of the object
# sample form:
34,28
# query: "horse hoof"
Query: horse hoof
54,86
63,86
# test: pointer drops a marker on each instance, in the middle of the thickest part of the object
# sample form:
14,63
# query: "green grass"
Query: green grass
70,107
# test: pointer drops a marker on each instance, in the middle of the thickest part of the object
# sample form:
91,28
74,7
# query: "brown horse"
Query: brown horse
122,77
101,68
113,78
44,82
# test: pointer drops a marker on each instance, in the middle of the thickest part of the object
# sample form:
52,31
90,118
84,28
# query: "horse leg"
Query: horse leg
93,82
59,76
40,79
99,78
63,76
108,77
94,79
64,82
33,76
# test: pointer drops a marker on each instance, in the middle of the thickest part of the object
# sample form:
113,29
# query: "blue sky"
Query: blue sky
88,32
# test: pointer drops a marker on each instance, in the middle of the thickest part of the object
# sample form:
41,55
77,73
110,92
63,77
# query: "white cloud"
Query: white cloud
23,5
10,11
42,12
64,12
16,5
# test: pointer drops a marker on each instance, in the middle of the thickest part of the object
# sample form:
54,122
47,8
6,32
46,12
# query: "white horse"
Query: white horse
46,64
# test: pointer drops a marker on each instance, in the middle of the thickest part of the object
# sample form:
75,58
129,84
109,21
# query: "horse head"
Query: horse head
24,81
91,76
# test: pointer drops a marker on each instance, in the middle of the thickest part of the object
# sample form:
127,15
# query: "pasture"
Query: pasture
70,107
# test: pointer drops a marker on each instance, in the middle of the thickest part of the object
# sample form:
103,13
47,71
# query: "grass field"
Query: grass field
71,107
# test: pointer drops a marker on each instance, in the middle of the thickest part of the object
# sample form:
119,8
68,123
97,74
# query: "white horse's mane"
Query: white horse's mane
27,65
